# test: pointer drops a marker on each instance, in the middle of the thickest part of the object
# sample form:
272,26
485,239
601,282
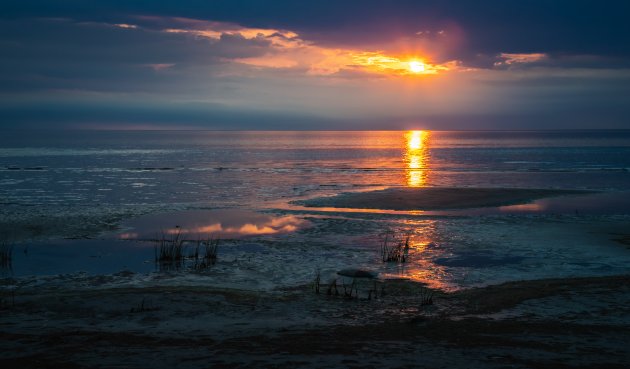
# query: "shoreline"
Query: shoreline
115,320
296,327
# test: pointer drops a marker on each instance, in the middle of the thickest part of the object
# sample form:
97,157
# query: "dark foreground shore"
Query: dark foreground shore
557,323
170,320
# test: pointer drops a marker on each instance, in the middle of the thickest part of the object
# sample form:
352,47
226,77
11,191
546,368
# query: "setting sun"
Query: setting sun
416,66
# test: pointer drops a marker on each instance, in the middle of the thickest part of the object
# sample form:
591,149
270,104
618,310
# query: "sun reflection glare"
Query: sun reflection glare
416,158
424,248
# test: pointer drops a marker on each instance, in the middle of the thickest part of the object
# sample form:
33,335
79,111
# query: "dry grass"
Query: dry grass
210,248
170,253
350,291
332,288
394,248
144,306
426,297
316,282
6,255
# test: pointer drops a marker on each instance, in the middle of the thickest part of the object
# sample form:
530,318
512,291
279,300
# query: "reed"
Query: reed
316,282
208,256
169,252
353,290
426,297
332,288
394,249
144,306
6,255
211,248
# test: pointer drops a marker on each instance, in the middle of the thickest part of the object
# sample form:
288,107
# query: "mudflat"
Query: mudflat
567,323
436,198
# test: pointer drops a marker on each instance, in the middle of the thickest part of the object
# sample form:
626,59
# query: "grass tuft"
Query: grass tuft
169,252
144,306
6,255
210,248
426,297
394,249
316,282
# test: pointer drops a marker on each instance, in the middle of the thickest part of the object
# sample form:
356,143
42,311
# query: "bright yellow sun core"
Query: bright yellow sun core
416,66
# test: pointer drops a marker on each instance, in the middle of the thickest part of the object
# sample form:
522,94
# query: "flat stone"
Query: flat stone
358,273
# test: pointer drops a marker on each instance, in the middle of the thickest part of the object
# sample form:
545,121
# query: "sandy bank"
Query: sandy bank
529,324
435,198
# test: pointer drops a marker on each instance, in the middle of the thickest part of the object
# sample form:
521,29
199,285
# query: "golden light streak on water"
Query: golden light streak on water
416,158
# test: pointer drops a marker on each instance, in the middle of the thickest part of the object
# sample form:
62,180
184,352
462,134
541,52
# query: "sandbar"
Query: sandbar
436,198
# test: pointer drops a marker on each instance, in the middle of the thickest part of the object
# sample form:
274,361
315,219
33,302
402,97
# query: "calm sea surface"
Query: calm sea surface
249,169
237,185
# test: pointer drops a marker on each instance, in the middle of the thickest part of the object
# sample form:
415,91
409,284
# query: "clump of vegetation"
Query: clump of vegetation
426,297
210,248
374,291
394,249
6,255
169,252
316,282
7,298
144,306
332,288
350,291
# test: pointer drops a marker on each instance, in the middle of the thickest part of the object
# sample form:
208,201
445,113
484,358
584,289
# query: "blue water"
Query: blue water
251,169
60,184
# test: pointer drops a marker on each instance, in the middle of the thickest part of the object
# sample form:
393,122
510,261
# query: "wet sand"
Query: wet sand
435,198
120,320
554,323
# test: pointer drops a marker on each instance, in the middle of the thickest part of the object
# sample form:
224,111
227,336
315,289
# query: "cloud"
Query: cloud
511,59
586,27
286,49
169,69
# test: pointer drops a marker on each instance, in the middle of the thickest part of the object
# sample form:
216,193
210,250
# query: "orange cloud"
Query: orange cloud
124,25
514,59
261,226
160,66
287,50
379,63
214,31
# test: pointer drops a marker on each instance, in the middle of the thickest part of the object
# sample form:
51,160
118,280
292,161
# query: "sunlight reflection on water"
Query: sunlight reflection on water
225,223
416,158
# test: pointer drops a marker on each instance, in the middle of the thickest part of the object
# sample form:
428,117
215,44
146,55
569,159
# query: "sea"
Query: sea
92,202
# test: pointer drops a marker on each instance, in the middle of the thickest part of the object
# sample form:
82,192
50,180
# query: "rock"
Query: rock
358,273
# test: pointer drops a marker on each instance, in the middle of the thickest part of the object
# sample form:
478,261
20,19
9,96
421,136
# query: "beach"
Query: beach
538,324
493,275
317,184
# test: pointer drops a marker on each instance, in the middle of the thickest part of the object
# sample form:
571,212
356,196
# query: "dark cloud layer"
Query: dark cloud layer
491,26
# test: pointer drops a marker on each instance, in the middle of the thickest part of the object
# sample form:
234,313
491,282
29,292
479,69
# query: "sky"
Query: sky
304,65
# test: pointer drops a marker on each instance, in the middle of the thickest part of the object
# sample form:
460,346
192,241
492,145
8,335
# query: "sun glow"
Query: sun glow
273,48
416,66
377,62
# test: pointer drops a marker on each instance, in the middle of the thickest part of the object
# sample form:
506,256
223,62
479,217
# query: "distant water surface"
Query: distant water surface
237,186
250,169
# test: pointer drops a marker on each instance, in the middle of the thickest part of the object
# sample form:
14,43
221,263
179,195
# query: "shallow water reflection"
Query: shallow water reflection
423,250
416,158
225,223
